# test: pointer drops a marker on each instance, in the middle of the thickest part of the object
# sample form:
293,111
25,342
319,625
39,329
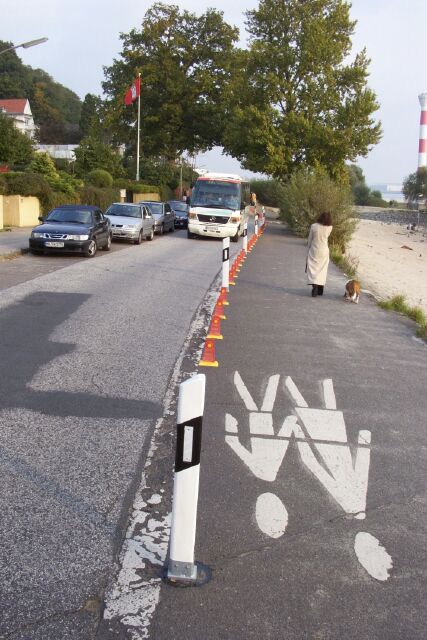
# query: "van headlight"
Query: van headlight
235,219
192,215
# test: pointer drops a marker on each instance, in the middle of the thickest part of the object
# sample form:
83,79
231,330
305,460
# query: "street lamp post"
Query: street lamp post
26,45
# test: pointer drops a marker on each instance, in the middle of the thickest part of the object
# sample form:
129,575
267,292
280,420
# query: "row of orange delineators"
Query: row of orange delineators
208,356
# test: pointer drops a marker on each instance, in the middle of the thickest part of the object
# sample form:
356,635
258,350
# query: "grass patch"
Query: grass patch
398,303
346,262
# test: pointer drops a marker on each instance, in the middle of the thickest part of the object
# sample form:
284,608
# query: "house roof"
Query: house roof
14,105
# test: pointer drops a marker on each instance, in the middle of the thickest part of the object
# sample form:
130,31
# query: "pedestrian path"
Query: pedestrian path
312,472
13,241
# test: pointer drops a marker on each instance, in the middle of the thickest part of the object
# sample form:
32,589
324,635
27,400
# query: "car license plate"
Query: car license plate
56,245
212,227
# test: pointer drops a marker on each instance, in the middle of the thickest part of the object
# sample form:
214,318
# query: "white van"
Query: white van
219,206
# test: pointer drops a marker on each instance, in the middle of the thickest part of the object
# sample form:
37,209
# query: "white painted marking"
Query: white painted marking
364,437
270,393
295,394
187,454
261,424
360,516
244,393
289,427
271,515
348,485
372,556
329,394
323,424
231,423
265,458
343,475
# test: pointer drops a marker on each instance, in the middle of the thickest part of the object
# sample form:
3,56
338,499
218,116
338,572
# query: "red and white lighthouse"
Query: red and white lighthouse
422,148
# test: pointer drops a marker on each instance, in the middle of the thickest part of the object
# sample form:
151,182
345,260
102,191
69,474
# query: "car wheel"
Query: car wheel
139,238
236,237
190,235
162,230
150,235
91,250
107,245
172,229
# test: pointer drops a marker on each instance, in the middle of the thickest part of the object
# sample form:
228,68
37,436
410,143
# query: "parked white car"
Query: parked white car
130,221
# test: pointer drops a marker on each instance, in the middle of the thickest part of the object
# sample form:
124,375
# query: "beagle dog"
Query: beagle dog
352,290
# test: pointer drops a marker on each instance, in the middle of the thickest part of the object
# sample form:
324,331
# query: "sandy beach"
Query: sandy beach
392,260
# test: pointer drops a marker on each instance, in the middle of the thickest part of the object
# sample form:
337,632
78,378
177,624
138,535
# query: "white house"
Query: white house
20,111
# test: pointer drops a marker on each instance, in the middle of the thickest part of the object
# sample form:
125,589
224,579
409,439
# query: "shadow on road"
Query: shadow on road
25,347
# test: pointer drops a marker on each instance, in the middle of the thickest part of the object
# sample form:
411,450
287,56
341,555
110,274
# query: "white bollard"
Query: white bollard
226,263
245,238
256,224
191,403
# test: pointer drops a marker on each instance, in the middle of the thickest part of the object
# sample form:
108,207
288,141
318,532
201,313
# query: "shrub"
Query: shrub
92,153
100,178
101,198
268,192
30,184
44,165
307,195
59,197
166,193
3,185
143,188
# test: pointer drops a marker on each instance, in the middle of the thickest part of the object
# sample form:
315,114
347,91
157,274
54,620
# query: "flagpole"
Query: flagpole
139,125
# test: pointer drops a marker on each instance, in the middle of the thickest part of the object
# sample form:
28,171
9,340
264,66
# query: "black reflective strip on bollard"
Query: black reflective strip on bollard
245,232
225,254
188,444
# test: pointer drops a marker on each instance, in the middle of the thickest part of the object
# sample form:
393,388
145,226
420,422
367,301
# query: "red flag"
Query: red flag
133,92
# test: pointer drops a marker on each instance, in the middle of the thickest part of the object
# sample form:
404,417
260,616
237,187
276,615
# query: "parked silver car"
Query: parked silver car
130,221
164,217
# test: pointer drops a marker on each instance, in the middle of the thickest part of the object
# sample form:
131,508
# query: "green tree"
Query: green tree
55,108
42,164
91,116
415,185
296,99
92,153
185,63
310,193
16,148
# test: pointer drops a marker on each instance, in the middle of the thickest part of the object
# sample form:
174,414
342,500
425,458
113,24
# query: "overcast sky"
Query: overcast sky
84,37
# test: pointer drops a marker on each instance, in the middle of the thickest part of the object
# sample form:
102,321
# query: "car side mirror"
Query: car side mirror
40,219
187,200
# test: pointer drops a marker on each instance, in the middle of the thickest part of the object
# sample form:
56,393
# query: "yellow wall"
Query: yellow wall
19,211
1,212
152,197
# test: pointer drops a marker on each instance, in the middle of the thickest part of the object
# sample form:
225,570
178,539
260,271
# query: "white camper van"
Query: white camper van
219,206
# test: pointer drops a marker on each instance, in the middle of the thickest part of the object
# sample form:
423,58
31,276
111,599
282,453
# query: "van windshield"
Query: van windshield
216,194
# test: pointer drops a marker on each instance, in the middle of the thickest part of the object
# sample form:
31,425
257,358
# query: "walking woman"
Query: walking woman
318,253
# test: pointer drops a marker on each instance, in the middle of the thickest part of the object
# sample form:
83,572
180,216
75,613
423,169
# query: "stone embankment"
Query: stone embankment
391,216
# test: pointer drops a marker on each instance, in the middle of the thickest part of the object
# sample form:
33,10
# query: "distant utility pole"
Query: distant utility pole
26,45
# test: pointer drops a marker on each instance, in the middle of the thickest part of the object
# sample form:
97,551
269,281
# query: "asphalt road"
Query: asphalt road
87,350
312,510
312,507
